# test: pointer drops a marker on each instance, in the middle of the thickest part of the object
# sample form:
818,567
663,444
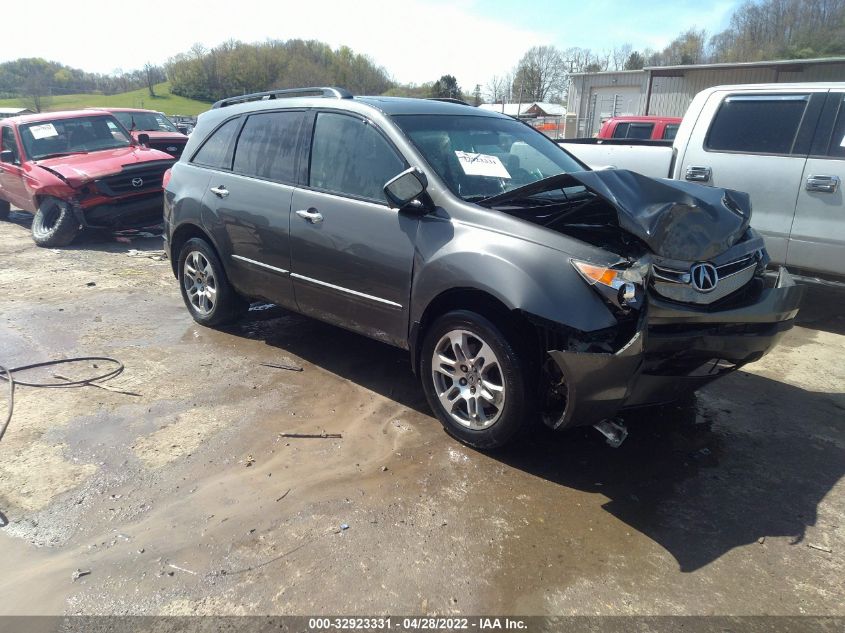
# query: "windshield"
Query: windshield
145,121
478,156
72,136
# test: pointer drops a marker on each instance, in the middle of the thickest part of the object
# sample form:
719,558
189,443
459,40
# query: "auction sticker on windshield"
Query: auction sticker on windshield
45,130
481,165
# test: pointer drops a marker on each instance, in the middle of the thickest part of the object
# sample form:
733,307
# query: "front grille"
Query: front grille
676,284
174,148
134,179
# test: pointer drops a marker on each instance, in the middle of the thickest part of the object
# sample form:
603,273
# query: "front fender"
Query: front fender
522,274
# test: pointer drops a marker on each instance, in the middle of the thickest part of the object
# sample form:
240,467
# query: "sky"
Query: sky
414,40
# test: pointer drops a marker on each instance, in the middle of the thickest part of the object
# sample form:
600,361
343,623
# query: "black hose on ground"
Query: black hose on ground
7,374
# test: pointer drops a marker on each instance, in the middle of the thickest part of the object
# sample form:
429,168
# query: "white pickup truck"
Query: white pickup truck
784,144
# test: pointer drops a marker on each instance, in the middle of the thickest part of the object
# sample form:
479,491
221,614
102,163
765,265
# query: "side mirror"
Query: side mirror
404,190
144,139
7,156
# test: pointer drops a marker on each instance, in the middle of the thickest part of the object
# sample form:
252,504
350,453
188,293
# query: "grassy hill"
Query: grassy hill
163,101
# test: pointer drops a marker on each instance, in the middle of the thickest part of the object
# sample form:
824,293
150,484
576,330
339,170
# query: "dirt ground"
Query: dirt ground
185,499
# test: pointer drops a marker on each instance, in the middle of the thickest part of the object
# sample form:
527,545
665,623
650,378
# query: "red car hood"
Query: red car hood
78,169
162,136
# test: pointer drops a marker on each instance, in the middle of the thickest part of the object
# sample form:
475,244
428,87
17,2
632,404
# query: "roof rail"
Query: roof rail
330,93
448,100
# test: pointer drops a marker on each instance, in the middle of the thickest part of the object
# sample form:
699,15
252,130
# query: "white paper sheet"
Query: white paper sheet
482,165
45,130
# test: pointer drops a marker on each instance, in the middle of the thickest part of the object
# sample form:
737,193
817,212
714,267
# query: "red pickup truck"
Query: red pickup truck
78,169
653,128
163,134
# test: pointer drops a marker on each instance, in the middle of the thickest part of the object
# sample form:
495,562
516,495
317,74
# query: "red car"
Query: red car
162,132
641,127
78,169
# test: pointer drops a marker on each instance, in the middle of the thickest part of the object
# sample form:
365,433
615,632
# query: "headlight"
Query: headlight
621,286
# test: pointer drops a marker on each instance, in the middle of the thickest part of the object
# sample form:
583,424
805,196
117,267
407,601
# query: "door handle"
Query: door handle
698,174
312,215
220,192
822,184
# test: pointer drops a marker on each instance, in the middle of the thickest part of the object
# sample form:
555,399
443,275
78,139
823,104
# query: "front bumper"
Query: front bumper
124,213
675,350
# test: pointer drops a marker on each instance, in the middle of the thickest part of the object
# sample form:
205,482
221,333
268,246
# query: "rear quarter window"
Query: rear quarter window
218,148
757,124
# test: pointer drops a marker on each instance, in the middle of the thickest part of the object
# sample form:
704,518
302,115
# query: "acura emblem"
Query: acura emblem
172,148
704,277
137,182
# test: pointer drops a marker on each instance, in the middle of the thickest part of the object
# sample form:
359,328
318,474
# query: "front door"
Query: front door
352,255
753,145
817,241
12,187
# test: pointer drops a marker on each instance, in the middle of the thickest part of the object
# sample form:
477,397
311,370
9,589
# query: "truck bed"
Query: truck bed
650,158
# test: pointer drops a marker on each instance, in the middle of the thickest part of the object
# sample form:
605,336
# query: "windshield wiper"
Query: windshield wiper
527,192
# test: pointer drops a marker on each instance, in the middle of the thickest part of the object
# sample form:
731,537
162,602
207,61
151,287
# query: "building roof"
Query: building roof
510,109
14,110
552,109
774,63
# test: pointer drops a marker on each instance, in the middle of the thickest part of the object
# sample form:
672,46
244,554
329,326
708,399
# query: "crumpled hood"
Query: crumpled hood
676,219
78,169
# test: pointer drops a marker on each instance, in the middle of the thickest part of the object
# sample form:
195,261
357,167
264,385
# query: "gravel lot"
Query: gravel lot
186,498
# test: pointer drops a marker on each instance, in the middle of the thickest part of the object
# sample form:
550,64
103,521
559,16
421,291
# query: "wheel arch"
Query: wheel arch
511,321
183,233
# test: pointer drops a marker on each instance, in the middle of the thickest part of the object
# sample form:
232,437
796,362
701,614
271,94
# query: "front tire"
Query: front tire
5,208
475,379
54,223
206,290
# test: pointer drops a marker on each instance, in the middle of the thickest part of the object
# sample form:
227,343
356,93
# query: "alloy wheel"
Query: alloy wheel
468,379
200,283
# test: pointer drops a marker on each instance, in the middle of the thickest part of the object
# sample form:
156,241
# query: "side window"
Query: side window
640,131
836,149
670,131
267,146
351,157
217,149
759,124
621,130
10,144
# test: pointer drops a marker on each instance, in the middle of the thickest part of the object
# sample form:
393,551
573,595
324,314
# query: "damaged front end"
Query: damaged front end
684,276
130,198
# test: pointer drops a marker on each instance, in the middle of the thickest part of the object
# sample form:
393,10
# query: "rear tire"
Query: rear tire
5,208
54,223
475,378
206,290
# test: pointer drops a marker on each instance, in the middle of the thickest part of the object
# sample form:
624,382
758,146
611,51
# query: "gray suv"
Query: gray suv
525,286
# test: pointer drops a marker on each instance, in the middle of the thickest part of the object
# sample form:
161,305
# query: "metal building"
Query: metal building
668,90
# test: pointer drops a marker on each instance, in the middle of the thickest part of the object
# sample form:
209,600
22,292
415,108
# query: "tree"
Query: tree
772,29
446,87
476,95
541,74
36,90
635,61
151,74
496,90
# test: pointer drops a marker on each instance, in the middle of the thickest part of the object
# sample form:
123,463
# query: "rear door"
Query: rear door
249,204
817,240
756,142
12,188
352,255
